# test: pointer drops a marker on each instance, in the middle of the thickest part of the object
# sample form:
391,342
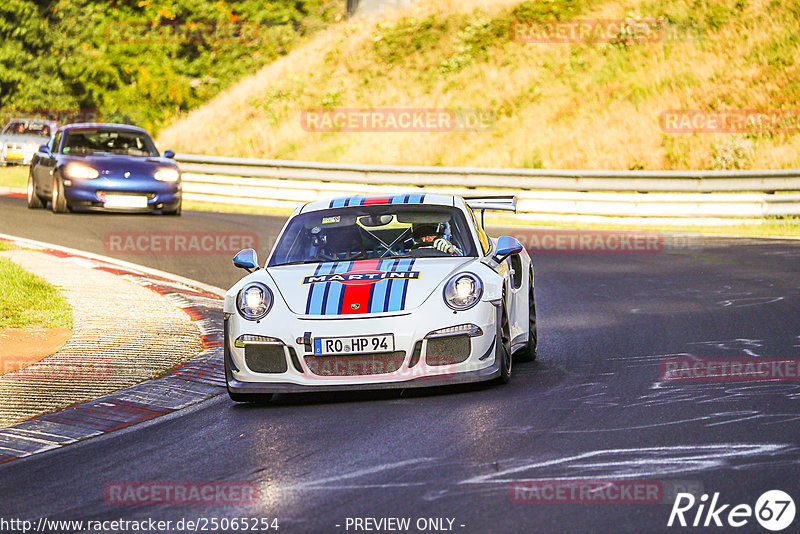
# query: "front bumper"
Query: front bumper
87,194
419,367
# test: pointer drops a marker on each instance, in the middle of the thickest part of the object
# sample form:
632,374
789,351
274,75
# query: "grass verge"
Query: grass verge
621,102
13,176
27,300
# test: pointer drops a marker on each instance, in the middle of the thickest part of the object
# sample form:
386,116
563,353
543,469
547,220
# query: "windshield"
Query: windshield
90,141
374,232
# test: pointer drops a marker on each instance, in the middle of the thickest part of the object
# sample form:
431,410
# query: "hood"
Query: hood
111,165
362,287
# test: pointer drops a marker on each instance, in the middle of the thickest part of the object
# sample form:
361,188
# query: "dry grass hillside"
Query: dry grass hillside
554,105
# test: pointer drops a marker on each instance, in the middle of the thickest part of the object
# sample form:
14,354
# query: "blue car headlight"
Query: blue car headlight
254,301
79,171
166,175
463,291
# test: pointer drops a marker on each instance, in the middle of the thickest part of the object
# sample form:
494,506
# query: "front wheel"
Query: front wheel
504,347
175,211
34,201
528,352
59,201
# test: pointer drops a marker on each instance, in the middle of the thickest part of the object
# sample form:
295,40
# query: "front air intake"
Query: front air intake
448,350
263,358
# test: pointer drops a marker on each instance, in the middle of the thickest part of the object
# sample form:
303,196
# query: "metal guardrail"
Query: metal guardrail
692,196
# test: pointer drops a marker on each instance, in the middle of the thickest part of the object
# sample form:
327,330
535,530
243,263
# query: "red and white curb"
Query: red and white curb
199,379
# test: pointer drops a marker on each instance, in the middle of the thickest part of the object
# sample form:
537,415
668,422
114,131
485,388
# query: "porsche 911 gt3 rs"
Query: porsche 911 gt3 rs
368,292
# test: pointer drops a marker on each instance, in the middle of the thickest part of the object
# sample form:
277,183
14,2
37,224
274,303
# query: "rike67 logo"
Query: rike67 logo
774,511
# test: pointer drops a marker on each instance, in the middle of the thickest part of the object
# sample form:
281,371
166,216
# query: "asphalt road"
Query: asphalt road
208,240
592,407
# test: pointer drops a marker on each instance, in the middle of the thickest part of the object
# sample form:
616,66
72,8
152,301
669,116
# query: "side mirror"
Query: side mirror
169,154
506,246
246,259
44,149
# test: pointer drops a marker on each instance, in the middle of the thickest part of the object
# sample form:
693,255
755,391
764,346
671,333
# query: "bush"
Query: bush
76,54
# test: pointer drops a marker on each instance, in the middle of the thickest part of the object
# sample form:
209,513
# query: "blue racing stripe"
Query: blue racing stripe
326,290
311,290
390,287
317,292
397,288
335,291
378,294
405,288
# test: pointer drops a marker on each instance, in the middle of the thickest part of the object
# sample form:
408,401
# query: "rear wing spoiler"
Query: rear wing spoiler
497,203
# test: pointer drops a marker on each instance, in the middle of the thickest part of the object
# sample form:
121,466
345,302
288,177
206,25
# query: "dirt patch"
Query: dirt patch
20,347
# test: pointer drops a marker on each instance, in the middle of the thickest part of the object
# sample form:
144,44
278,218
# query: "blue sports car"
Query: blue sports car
104,167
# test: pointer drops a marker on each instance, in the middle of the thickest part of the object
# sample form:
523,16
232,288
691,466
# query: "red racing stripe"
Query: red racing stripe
358,294
370,201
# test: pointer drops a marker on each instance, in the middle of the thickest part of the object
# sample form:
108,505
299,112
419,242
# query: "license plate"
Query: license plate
125,201
354,344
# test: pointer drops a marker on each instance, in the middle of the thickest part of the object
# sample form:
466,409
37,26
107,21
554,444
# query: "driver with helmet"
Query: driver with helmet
432,235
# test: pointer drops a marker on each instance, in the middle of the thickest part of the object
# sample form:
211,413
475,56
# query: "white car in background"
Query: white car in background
21,138
368,292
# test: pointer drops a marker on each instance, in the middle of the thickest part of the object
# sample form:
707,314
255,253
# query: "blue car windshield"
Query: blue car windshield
99,140
374,232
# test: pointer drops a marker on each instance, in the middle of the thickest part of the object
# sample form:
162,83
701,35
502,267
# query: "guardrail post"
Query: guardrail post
352,6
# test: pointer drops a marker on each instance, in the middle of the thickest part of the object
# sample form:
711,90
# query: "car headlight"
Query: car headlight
80,171
463,291
254,301
166,175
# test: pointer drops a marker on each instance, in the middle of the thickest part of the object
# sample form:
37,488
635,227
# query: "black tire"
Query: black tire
175,211
256,398
59,202
504,347
34,200
528,352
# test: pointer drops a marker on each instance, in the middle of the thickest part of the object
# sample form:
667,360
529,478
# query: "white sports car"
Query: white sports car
369,292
